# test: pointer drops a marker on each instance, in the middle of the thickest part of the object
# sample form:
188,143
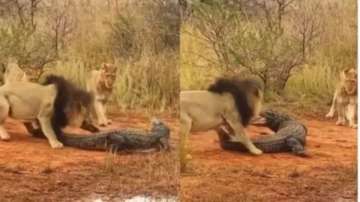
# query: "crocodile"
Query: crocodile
289,136
115,140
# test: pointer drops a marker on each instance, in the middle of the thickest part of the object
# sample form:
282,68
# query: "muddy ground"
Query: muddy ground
328,175
31,171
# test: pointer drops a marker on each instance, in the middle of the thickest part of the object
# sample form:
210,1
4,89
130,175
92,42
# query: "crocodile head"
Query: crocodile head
273,119
162,132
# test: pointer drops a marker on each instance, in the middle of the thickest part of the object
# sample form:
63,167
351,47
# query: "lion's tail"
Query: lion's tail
67,94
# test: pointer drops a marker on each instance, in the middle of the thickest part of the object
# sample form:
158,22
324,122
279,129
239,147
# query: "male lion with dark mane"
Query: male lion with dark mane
345,98
233,102
51,104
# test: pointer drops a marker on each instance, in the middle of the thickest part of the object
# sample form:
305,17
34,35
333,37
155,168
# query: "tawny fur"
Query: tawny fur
76,113
100,84
228,101
12,72
345,99
29,102
48,104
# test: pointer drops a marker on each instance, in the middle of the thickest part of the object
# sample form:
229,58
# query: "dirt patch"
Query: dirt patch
31,171
328,175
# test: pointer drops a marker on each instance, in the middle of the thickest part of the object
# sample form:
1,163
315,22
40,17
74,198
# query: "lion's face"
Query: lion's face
107,77
349,79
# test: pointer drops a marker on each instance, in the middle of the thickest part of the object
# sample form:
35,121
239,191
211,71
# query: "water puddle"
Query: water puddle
139,198
151,199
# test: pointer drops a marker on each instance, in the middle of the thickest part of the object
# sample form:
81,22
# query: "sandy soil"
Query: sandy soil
328,175
31,171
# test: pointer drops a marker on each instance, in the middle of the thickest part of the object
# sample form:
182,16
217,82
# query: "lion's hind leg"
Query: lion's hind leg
4,112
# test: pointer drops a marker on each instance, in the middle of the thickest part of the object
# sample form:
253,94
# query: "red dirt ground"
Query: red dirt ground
328,175
31,171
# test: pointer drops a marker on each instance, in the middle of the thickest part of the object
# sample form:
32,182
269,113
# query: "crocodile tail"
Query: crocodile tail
66,94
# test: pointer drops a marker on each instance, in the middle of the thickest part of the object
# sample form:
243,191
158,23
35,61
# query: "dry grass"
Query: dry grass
152,82
311,85
140,38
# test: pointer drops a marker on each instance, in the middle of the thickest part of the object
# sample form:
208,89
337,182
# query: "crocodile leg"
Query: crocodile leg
296,147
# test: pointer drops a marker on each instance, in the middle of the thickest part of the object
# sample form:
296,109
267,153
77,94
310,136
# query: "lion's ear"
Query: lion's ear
349,70
343,74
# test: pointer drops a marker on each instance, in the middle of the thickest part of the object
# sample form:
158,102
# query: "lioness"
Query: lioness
100,84
345,98
12,72
232,102
49,103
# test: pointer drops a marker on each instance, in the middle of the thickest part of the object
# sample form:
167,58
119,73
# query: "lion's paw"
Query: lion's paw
56,145
103,123
353,126
109,122
329,115
5,137
340,123
256,151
